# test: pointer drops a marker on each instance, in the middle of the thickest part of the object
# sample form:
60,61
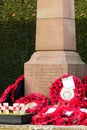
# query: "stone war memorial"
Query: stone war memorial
55,46
55,56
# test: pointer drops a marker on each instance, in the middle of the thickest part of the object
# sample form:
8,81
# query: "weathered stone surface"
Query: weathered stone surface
55,34
41,127
45,66
55,8
55,46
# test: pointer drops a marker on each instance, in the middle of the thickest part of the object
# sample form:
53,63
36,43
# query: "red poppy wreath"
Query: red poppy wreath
13,92
6,95
34,102
71,116
61,115
47,115
18,90
67,90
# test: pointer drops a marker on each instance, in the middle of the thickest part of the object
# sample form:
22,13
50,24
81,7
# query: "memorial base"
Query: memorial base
34,127
45,66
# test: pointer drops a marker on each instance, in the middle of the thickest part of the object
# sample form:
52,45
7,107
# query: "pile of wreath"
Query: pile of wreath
67,104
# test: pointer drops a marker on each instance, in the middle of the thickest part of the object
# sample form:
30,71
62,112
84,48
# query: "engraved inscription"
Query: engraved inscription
43,75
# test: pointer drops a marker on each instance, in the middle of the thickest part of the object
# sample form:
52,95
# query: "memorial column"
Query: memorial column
55,46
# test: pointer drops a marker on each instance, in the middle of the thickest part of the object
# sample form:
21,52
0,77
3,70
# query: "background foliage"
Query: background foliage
81,28
17,36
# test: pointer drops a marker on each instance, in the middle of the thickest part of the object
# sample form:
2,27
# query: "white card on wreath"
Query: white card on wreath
50,110
83,110
68,113
68,83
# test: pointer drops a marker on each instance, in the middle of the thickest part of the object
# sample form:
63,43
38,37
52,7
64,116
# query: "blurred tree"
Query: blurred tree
81,27
17,38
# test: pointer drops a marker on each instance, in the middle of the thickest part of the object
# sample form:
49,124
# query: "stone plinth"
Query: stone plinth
55,34
41,127
45,66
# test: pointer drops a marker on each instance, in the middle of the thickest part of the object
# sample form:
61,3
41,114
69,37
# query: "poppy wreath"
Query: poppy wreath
6,95
47,115
34,102
57,85
85,84
77,117
84,122
18,90
61,116
13,92
63,119
53,115
83,104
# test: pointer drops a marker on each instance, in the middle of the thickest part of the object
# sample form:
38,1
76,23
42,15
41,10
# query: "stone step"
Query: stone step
41,127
